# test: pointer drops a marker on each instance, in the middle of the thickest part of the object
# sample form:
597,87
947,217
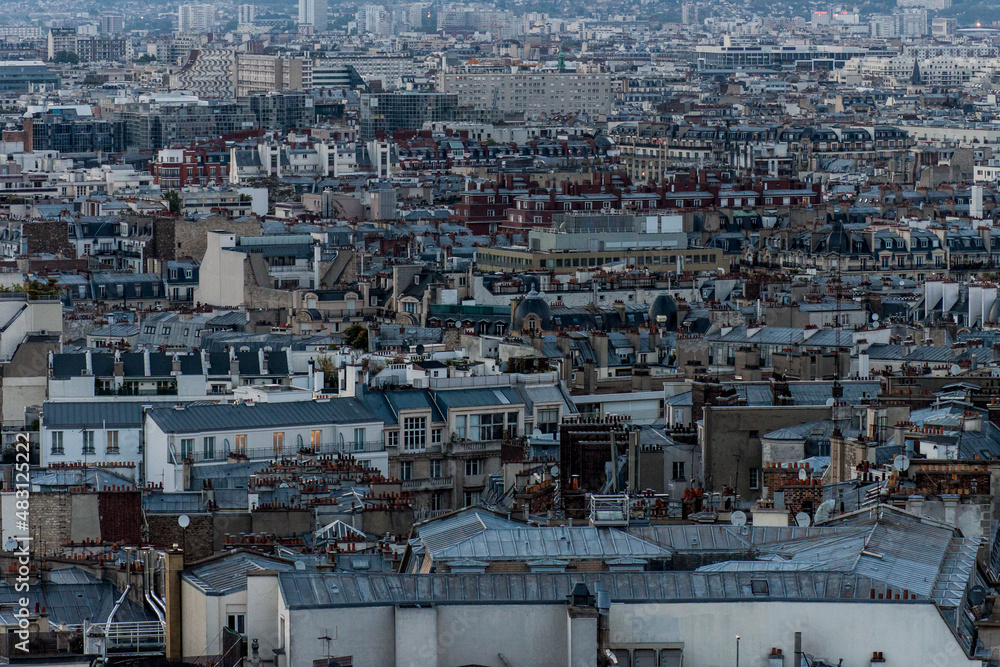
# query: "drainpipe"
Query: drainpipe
128,585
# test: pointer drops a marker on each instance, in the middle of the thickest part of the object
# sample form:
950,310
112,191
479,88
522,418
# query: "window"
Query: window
112,442
237,623
208,448
439,500
392,439
359,440
241,443
405,470
57,442
278,443
460,422
486,427
474,467
436,436
548,420
414,433
88,442
753,434
754,478
187,448
471,498
410,307
678,467
436,468
315,438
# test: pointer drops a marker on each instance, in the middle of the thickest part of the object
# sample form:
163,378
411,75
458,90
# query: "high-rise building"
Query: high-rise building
195,18
913,23
112,24
247,13
313,13
689,13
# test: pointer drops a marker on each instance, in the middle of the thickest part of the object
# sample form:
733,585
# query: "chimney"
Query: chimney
172,602
175,365
797,660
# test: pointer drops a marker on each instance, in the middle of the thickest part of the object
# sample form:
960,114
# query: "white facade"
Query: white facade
313,13
165,452
523,633
195,18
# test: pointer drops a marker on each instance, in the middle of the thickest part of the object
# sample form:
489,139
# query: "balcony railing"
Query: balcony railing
288,450
425,483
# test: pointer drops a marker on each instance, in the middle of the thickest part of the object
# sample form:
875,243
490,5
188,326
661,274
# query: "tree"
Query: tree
66,57
146,58
174,200
356,336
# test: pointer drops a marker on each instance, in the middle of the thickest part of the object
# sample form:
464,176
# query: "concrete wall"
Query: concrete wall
730,441
908,633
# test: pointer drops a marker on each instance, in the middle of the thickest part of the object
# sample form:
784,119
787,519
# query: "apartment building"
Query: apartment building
531,92
264,74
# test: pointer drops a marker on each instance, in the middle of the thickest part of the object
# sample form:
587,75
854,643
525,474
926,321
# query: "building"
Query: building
634,615
265,74
384,113
195,18
112,24
24,76
531,92
73,129
313,13
246,14
282,112
212,435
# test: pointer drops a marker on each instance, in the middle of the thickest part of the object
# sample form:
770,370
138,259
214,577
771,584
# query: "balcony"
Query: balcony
428,483
482,447
289,450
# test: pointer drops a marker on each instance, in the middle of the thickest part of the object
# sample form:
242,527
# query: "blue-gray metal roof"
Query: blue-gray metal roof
529,543
311,590
228,574
233,416
93,414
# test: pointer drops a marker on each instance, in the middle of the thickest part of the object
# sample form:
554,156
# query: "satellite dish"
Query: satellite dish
420,349
874,317
554,471
803,474
955,369
738,518
536,433
802,519
977,595
184,521
299,565
830,402
824,510
11,544
900,463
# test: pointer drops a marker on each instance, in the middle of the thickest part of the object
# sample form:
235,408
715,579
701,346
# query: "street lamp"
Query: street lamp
737,651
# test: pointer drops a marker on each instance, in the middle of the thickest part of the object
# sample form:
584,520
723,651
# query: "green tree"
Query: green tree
66,57
145,58
357,337
174,200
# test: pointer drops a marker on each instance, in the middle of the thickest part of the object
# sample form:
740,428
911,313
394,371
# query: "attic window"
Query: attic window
759,587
